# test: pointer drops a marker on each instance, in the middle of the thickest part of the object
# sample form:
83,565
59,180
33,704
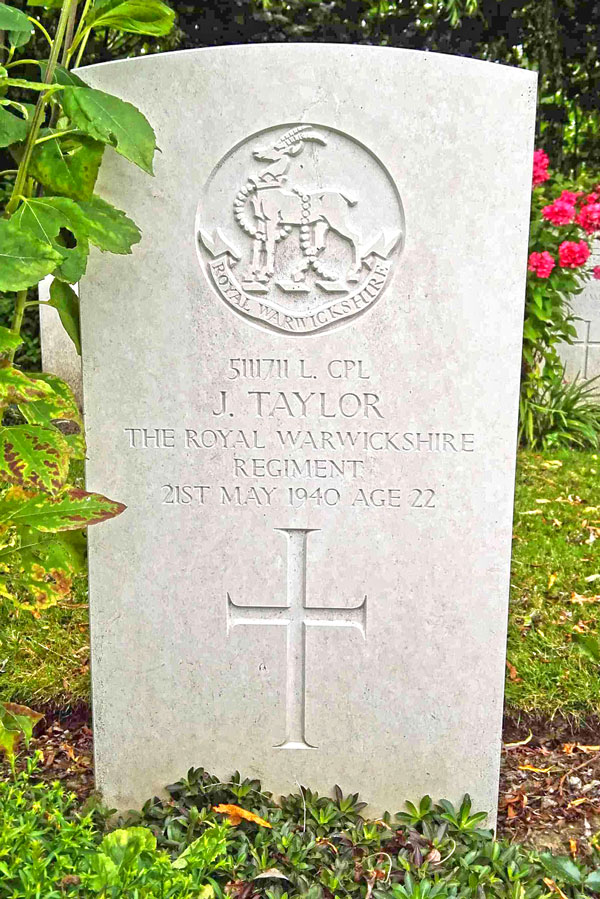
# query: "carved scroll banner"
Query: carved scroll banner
303,384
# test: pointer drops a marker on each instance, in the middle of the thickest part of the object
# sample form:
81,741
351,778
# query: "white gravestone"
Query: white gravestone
582,357
291,385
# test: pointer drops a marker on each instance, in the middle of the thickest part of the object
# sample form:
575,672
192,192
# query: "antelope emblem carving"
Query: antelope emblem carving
268,211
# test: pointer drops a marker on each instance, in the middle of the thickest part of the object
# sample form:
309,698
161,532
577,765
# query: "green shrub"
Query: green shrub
43,838
212,839
556,414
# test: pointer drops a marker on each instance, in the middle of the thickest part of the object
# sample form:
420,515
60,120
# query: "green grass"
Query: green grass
556,549
46,661
557,510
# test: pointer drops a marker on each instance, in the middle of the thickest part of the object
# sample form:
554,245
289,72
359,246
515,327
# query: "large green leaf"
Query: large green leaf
60,410
24,259
71,510
64,299
112,121
34,457
135,16
16,722
41,571
67,166
8,341
562,868
96,221
108,228
18,387
17,24
13,128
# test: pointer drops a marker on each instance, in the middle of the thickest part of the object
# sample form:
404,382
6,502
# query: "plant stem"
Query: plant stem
20,301
38,115
79,32
69,34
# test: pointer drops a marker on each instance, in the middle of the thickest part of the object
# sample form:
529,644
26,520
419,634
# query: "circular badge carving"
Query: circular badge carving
299,227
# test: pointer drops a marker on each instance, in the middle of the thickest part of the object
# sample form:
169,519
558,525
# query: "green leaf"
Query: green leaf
67,166
18,387
17,24
108,228
135,16
65,300
24,259
48,4
13,128
561,868
590,646
16,721
112,121
8,341
42,569
61,74
71,510
96,221
34,457
60,410
592,881
123,846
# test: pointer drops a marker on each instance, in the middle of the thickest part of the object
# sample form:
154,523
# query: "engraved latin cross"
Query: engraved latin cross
296,617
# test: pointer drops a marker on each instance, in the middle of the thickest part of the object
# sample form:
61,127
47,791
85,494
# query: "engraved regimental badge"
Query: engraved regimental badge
299,227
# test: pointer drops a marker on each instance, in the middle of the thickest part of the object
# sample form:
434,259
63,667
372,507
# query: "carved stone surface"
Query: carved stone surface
292,386
582,357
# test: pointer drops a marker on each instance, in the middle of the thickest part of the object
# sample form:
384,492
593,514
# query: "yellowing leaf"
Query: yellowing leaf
552,580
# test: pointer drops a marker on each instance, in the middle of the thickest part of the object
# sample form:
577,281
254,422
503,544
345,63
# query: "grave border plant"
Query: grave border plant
565,218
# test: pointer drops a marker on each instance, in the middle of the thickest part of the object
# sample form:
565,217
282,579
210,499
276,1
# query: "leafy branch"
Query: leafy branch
51,219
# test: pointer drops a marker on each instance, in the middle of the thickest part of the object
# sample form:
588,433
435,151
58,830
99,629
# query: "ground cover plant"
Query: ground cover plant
213,839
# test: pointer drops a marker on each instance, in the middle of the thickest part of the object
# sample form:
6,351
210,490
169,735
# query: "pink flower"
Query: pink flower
589,217
540,167
541,263
596,272
570,197
560,212
572,254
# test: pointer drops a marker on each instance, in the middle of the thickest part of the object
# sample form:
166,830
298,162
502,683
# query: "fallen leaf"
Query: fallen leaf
552,580
537,770
235,814
552,463
550,883
580,599
532,512
513,673
592,577
524,742
573,847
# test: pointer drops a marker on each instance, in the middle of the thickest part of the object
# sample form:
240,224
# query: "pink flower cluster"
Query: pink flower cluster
541,263
572,254
561,211
540,167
